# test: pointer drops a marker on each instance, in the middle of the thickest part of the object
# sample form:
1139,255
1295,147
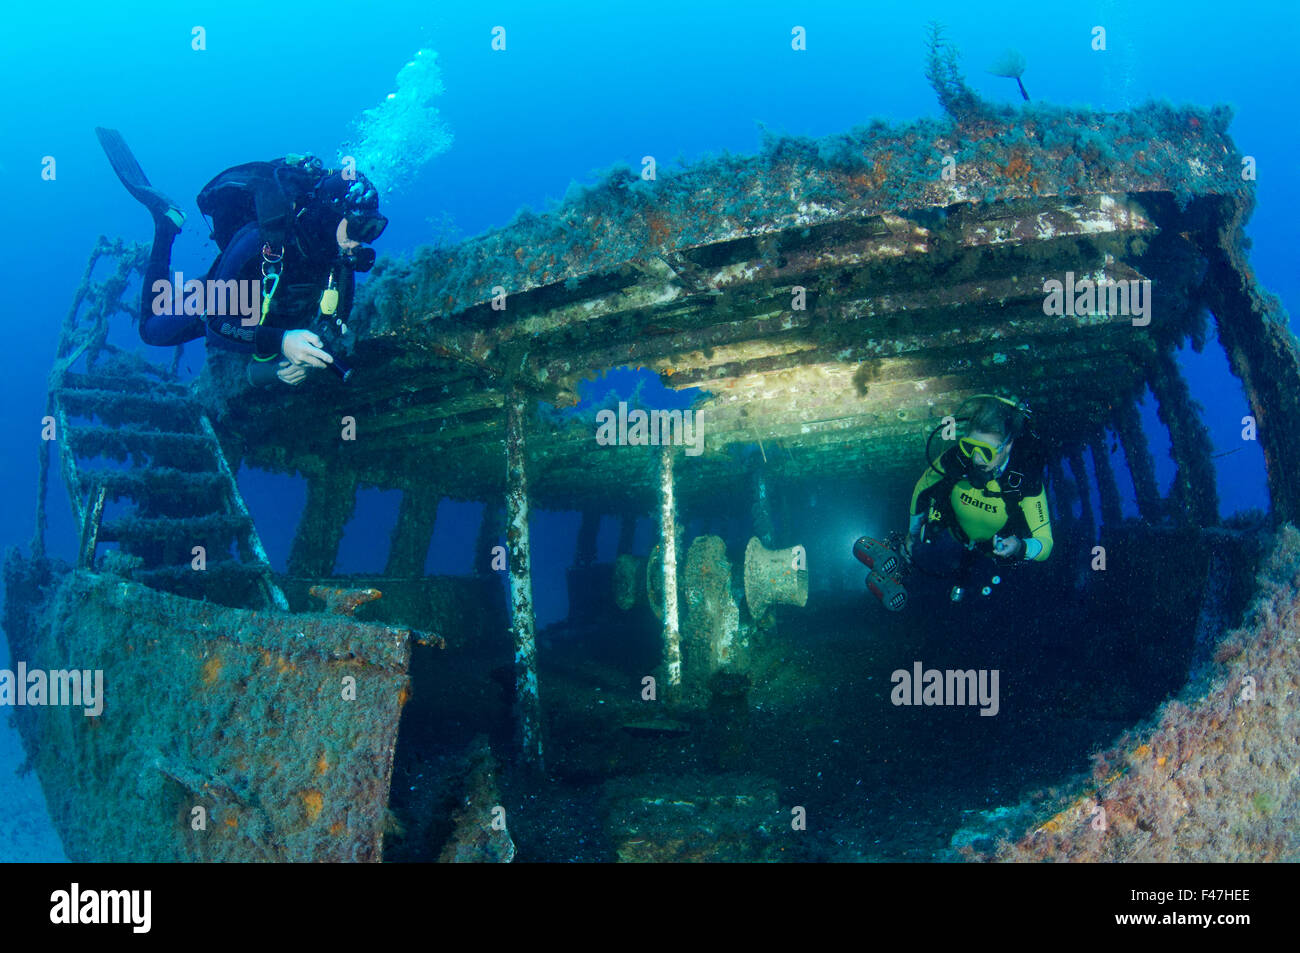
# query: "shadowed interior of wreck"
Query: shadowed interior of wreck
810,721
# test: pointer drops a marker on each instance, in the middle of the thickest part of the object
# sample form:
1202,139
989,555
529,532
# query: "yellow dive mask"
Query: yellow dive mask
979,452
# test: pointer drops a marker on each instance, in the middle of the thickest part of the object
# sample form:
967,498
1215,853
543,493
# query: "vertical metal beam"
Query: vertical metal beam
1194,492
1075,456
331,498
1112,512
1141,468
761,508
668,542
68,463
90,529
522,621
1065,496
416,520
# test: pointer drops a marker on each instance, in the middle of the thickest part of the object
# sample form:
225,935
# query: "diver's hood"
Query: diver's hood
333,199
315,229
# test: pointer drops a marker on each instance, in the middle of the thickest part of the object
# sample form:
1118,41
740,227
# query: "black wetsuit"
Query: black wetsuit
295,304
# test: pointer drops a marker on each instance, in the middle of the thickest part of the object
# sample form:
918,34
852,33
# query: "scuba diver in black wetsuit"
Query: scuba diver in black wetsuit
289,227
983,497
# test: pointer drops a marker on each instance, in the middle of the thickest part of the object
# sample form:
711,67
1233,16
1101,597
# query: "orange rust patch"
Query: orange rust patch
313,803
211,670
1017,168
337,828
404,695
880,169
660,230
322,763
1071,815
232,822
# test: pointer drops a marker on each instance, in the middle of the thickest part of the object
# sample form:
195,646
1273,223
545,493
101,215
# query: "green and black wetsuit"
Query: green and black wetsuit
1012,503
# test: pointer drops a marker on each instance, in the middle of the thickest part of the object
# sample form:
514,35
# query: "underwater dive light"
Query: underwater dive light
342,370
890,593
876,555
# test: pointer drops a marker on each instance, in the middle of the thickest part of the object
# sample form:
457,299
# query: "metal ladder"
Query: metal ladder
179,490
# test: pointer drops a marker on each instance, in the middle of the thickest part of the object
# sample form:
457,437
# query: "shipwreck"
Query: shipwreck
831,300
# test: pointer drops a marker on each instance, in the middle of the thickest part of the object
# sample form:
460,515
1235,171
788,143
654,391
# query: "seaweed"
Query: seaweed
943,72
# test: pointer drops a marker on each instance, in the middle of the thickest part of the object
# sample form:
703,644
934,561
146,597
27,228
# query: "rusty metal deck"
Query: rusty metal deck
227,734
921,288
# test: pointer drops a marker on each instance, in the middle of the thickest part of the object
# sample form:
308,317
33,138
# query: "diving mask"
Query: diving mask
365,226
980,453
353,197
360,259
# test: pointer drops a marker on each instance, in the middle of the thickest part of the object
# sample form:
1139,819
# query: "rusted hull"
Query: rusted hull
226,734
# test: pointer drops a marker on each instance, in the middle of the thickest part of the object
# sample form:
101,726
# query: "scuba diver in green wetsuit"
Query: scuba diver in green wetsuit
983,497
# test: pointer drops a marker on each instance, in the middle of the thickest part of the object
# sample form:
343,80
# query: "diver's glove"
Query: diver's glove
292,373
1015,549
304,347
1008,547
266,373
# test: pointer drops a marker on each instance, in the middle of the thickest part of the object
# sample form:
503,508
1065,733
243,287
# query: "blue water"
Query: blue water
574,92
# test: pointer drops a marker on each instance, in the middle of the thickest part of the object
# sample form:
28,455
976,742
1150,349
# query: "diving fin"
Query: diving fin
133,177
